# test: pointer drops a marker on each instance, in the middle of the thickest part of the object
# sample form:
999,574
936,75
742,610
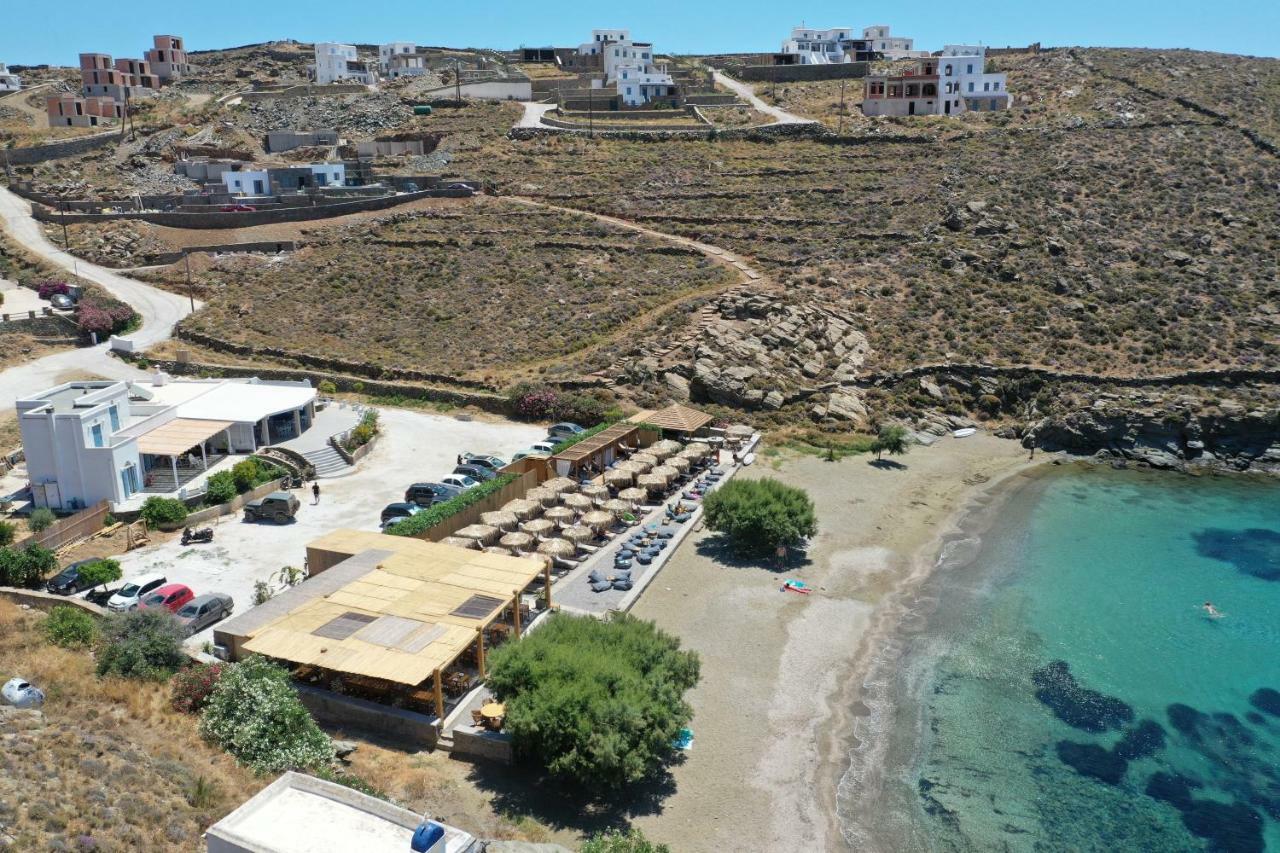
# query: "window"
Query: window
995,87
986,87
947,70
970,87
995,104
96,432
114,414
970,68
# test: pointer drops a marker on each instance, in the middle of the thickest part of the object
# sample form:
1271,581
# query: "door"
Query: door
257,188
948,107
911,108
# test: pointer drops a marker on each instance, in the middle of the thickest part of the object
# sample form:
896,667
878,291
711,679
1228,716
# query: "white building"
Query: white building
259,182
9,82
950,84
338,63
630,67
819,47
891,46
401,59
102,440
302,814
964,81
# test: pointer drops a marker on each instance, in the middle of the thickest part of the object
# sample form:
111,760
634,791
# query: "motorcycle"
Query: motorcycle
203,534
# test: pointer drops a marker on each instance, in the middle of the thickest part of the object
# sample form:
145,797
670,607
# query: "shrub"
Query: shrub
892,439
26,567
758,516
595,702
220,488
617,841
158,511
328,388
193,686
70,627
544,403
100,572
45,289
6,534
41,519
433,515
364,431
253,472
144,644
254,714
104,316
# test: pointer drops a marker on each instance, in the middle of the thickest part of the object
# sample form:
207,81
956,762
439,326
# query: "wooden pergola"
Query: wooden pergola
676,418
598,451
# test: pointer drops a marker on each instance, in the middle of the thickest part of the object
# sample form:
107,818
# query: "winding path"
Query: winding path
159,309
748,93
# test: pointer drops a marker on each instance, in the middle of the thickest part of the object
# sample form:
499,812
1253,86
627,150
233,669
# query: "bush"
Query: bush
254,714
46,289
100,572
26,568
327,388
193,686
597,703
544,403
253,472
144,644
892,439
41,519
70,627
220,488
6,534
158,511
758,516
103,315
363,432
617,841
433,515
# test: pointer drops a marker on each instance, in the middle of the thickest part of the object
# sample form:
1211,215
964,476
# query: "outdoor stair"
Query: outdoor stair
327,461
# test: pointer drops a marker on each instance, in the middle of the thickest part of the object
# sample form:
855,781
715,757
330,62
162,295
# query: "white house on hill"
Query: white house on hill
9,82
338,63
629,67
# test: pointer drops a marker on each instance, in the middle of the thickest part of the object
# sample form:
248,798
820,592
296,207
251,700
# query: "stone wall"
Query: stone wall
493,746
307,91
46,601
61,148
232,506
346,712
801,73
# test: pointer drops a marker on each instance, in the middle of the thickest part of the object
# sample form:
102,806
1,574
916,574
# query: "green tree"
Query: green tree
254,714
70,627
327,388
158,511
245,474
6,534
100,572
41,519
892,439
26,567
220,488
144,644
597,703
759,516
617,841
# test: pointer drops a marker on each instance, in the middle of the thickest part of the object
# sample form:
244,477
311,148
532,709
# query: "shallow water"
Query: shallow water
1066,690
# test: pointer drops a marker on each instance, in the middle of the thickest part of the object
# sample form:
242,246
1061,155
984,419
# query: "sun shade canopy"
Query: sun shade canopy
179,435
677,418
589,447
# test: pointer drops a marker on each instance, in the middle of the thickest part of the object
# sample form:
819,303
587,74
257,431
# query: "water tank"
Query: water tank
422,110
428,837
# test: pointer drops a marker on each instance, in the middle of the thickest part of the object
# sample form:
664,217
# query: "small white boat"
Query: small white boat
748,459
964,433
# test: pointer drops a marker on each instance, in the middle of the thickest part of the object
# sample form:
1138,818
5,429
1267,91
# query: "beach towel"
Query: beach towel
684,740
796,586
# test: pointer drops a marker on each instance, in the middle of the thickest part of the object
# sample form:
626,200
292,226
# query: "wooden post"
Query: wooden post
439,697
480,650
515,612
546,573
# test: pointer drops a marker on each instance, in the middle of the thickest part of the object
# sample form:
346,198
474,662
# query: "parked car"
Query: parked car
426,494
479,473
170,597
277,506
134,590
391,513
538,448
238,208
68,581
493,463
21,693
62,300
461,481
204,610
560,432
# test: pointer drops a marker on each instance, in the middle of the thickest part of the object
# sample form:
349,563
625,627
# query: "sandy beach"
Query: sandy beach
773,714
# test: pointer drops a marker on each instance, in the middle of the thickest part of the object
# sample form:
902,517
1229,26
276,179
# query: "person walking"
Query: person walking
315,491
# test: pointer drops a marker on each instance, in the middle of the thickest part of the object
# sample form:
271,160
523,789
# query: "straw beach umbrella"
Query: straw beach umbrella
459,542
516,539
666,448
696,451
578,534
522,508
645,457
652,482
559,514
596,492
557,548
500,519
619,477
578,503
494,549
665,471
680,463
633,494
636,466
482,533
598,519
617,506
560,485
539,526
542,495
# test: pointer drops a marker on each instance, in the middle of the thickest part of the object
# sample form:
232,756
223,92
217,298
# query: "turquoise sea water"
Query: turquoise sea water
1064,690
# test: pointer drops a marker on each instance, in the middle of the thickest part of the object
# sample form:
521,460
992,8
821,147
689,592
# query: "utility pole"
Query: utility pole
457,79
841,127
66,242
186,257
591,111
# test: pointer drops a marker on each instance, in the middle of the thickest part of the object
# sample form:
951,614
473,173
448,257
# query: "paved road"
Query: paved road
533,114
747,93
160,311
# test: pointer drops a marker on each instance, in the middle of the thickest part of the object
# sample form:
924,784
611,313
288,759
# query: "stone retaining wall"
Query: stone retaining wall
493,746
46,601
307,91
61,148
801,73
350,712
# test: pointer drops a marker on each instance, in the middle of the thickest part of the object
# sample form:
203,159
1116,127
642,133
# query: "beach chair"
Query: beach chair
477,719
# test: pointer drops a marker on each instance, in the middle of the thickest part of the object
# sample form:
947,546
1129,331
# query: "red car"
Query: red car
171,597
238,208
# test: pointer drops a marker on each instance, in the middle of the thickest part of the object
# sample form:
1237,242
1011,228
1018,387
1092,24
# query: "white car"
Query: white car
462,481
21,694
134,590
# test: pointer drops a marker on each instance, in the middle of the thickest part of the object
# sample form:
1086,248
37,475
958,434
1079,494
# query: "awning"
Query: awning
179,435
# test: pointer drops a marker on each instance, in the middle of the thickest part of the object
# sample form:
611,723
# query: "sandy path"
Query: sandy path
748,93
771,723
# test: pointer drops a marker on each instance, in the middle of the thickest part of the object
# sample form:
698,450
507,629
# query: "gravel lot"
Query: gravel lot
413,447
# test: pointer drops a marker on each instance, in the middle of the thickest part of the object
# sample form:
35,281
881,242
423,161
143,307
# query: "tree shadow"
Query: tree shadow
717,547
886,464
523,790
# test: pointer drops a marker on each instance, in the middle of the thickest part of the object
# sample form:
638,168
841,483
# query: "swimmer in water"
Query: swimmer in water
1211,611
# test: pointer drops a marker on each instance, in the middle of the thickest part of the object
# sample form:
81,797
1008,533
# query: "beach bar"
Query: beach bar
676,420
393,619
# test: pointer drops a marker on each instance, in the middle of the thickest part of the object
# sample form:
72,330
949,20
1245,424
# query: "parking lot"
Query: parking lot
412,447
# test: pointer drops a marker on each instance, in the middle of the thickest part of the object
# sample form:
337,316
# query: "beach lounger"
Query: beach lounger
477,719
600,585
622,584
595,575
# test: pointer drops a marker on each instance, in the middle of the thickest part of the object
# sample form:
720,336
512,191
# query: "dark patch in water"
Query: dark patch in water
1078,706
934,807
1233,828
1231,731
1255,551
1266,700
1172,788
1143,740
1255,718
1186,719
1091,760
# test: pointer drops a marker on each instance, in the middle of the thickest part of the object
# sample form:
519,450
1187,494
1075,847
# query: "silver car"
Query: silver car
204,610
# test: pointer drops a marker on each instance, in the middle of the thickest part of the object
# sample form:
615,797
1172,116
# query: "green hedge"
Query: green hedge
432,516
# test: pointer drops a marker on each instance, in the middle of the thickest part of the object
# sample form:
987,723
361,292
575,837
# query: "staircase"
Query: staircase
327,461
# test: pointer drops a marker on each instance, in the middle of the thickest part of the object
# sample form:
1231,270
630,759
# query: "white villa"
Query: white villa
891,46
338,63
952,83
401,59
9,82
103,440
630,67
267,181
819,47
